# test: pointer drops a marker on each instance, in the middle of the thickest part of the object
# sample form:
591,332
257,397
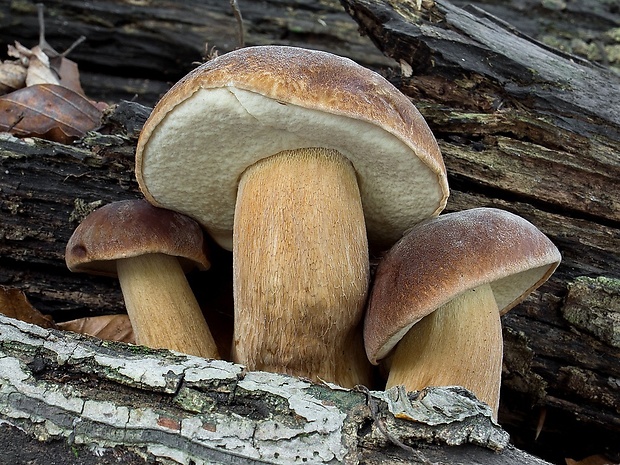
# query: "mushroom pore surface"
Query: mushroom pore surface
253,103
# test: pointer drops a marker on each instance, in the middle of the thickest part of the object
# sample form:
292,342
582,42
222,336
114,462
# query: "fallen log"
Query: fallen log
114,399
533,130
521,127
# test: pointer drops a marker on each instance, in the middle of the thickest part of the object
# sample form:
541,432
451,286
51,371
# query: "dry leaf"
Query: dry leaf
68,74
36,64
41,64
48,111
12,76
14,304
109,327
39,70
591,460
52,105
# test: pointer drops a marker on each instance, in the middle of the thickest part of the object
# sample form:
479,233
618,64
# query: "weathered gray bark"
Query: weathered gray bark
162,405
520,126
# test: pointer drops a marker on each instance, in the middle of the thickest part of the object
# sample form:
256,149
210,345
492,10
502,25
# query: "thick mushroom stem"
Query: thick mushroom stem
460,344
161,305
301,270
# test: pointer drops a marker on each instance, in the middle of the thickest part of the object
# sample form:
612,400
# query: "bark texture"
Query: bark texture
535,131
521,127
112,399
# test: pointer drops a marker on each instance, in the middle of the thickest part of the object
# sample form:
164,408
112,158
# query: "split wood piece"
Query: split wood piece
149,249
453,277
261,102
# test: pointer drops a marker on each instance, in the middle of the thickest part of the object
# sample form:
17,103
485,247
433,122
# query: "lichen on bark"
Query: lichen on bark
593,305
58,385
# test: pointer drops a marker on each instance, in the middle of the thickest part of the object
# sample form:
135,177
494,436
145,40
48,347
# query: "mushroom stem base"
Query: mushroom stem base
300,264
161,306
459,344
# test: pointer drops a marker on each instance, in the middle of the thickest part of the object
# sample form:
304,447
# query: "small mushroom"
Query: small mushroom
294,159
149,249
439,293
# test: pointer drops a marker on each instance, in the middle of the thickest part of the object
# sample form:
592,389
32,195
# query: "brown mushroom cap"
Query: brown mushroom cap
443,257
255,102
131,228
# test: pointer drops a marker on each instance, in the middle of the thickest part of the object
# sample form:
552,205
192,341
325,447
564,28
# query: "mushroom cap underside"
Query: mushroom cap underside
130,228
258,101
443,257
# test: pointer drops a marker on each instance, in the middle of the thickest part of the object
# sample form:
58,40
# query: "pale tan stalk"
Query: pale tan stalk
161,305
301,268
459,344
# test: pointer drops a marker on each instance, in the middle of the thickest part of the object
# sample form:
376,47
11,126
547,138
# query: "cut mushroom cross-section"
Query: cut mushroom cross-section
148,249
294,159
435,306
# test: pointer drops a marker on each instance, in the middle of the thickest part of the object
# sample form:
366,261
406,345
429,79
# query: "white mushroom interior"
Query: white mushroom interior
196,155
509,291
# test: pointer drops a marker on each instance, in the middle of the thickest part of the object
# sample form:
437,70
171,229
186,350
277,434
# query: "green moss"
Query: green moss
81,209
613,34
192,400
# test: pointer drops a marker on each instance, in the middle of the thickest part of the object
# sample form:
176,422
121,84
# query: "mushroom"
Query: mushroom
452,277
294,159
148,249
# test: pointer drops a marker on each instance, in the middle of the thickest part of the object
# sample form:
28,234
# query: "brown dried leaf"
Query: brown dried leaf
67,73
58,70
109,327
48,111
14,304
44,65
591,460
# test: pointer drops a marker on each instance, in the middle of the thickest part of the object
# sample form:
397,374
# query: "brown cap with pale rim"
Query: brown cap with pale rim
445,256
130,228
255,102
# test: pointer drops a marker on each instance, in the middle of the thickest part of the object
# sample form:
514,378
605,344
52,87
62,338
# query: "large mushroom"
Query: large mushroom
148,249
435,306
293,159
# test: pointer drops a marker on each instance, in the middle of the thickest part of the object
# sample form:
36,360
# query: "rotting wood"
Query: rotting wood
537,132
593,305
501,149
162,405
136,51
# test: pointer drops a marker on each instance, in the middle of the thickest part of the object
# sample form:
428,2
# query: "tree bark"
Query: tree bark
147,404
532,130
136,51
521,127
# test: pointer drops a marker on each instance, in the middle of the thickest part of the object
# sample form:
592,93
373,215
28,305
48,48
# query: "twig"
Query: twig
237,12
47,48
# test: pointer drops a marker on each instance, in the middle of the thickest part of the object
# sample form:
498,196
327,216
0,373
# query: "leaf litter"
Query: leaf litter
41,94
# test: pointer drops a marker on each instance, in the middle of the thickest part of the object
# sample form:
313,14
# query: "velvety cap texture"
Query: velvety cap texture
255,102
130,228
445,256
